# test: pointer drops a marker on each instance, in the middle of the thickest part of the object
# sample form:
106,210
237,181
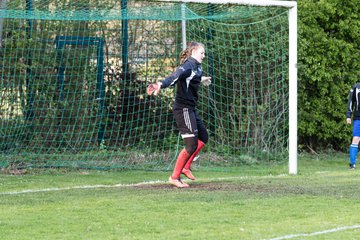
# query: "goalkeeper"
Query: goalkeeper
188,77
353,109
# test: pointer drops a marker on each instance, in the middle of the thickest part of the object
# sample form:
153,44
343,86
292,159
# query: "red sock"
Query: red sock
191,159
180,162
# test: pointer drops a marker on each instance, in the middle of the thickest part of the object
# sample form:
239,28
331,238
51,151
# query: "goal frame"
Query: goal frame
292,18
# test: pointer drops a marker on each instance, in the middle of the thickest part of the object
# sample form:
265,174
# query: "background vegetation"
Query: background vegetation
328,65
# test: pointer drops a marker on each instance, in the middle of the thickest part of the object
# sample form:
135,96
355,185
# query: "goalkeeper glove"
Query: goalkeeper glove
153,88
206,81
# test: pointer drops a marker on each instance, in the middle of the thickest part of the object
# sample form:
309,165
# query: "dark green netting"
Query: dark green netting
74,73
136,10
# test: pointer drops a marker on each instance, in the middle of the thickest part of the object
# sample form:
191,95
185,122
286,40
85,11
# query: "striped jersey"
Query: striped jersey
187,77
354,102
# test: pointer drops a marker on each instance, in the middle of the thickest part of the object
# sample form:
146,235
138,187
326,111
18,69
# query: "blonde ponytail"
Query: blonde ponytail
184,55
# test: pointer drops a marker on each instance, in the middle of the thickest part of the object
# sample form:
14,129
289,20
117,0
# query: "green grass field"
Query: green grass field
249,202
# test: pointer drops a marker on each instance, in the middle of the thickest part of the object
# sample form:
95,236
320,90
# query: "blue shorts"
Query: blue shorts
356,129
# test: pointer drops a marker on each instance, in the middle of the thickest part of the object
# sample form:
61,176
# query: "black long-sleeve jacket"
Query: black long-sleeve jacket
188,77
354,102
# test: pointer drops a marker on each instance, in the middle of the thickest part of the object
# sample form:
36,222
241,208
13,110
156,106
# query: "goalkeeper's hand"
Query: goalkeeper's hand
153,88
206,81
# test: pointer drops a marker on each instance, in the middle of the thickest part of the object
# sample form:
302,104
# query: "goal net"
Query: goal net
74,77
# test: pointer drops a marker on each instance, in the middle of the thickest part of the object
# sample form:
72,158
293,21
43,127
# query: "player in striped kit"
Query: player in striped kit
188,77
353,109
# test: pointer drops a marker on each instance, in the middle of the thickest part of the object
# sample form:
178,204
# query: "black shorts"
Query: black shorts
190,124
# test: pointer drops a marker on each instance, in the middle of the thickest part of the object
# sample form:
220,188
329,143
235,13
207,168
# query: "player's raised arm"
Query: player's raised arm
170,81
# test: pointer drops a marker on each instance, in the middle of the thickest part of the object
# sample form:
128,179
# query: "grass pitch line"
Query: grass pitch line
80,187
119,185
338,229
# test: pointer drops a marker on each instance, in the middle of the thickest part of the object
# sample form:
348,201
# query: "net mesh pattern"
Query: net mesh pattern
74,76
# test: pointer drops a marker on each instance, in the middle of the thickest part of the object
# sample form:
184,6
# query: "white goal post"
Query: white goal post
292,6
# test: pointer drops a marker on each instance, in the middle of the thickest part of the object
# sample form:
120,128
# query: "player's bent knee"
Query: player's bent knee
191,145
204,140
191,149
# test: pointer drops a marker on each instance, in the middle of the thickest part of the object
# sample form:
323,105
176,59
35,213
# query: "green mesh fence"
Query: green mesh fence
74,76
